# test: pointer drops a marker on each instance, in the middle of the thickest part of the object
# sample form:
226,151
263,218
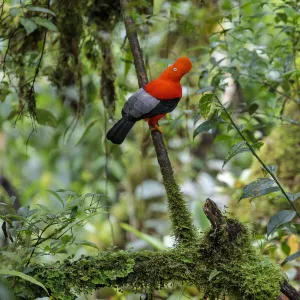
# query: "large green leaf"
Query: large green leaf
280,218
58,197
5,271
154,242
213,274
90,125
234,150
40,9
205,104
87,243
45,117
28,24
14,11
205,127
259,187
291,257
45,23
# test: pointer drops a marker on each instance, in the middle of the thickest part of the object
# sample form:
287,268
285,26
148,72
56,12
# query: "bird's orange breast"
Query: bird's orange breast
164,89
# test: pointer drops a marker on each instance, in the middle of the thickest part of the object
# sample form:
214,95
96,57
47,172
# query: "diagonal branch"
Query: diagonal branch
181,219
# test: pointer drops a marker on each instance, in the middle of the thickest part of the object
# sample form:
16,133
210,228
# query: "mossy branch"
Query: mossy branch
223,263
182,225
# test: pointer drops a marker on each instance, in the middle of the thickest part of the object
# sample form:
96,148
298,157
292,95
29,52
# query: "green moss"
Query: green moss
181,219
216,264
241,271
68,69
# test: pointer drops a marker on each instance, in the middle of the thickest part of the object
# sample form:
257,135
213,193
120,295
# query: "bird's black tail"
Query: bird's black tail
119,131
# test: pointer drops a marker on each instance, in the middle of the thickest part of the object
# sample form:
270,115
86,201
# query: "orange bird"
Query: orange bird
152,102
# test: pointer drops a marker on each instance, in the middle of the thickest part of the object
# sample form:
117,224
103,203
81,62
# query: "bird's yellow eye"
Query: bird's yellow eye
175,69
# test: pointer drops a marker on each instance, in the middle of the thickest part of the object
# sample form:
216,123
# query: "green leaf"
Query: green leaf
205,104
281,17
286,249
291,257
213,274
5,271
12,114
68,192
154,242
252,108
293,197
57,197
29,25
87,243
205,127
234,150
45,23
240,127
23,211
45,208
157,4
92,123
66,238
271,168
257,145
259,187
3,93
206,89
40,9
223,137
14,11
280,218
45,117
128,63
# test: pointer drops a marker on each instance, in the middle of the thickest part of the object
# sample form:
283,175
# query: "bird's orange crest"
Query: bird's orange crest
167,85
176,71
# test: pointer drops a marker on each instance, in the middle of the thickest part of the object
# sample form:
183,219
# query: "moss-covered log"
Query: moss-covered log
222,263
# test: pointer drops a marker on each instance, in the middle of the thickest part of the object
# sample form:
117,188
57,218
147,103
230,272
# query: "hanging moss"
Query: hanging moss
22,56
104,15
219,265
68,69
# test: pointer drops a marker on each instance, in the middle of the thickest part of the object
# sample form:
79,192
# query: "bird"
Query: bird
152,102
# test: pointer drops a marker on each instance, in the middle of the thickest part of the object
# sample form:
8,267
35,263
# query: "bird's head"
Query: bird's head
176,71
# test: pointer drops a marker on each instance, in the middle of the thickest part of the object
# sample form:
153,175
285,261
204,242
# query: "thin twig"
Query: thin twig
257,157
6,53
2,8
38,242
37,70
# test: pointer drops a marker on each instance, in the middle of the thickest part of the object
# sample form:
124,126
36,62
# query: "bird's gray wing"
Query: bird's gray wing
139,104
